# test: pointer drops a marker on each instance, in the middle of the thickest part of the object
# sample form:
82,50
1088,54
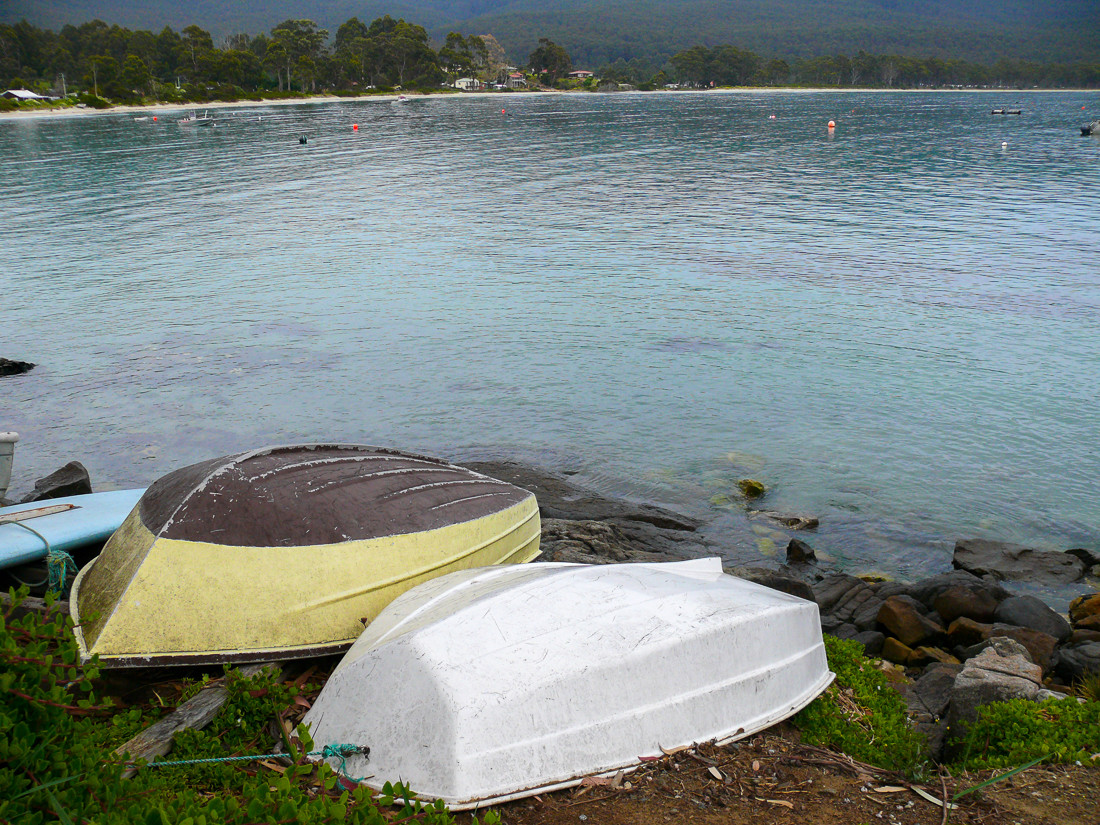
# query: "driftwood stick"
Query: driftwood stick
195,713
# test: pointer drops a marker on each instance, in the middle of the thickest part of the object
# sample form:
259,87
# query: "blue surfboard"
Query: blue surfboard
65,523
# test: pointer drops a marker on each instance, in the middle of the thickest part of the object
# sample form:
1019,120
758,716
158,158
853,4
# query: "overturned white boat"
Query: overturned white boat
492,684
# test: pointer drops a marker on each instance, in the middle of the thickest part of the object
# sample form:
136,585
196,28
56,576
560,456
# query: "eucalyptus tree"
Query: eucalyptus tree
302,43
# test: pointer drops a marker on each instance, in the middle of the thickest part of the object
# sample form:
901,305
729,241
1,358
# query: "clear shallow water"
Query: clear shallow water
894,326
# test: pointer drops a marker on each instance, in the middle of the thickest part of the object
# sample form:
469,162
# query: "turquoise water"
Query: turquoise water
893,325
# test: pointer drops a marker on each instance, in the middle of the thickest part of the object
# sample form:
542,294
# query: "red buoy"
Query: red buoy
155,117
832,124
355,127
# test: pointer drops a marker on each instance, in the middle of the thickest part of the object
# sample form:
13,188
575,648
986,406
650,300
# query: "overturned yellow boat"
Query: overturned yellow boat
285,552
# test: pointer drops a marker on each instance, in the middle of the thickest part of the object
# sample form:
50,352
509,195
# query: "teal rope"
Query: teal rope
58,563
340,752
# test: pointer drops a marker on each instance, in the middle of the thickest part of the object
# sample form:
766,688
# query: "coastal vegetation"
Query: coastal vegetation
63,722
297,57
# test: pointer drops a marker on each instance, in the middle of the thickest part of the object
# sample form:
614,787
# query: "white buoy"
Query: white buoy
1004,144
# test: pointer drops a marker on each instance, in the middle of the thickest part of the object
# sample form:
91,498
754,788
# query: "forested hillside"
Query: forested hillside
596,32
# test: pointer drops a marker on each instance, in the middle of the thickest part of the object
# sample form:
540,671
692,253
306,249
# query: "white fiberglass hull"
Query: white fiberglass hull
492,684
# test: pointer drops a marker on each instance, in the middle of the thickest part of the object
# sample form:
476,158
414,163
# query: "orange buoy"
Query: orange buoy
832,124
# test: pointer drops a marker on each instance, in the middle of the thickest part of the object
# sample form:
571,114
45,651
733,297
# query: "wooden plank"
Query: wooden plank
196,713
37,512
33,605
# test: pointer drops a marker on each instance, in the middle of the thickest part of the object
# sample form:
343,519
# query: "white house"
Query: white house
581,74
468,84
516,81
22,94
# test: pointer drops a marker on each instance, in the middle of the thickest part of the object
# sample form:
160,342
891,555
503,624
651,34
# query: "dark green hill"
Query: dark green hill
595,33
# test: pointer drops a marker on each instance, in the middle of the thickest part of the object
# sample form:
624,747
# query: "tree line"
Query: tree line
298,57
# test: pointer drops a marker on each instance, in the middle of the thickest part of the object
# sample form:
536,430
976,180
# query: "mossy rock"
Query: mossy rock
751,488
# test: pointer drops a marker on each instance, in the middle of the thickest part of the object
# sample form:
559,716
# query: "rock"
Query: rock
70,480
931,692
927,703
774,580
1089,623
965,602
923,655
1001,643
1013,561
798,552
1030,612
849,599
888,589
845,631
1083,607
751,488
591,542
8,367
928,590
904,621
965,632
789,520
991,677
1091,558
830,624
1040,646
871,640
1071,662
1079,635
562,499
895,651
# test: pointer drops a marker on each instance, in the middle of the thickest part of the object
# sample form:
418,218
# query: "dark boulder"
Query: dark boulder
1013,561
1071,662
8,367
1033,613
928,590
965,602
871,640
70,480
798,552
774,580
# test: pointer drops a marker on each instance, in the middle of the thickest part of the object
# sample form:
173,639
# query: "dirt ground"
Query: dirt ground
773,779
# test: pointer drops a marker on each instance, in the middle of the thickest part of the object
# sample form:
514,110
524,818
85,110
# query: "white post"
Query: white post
7,452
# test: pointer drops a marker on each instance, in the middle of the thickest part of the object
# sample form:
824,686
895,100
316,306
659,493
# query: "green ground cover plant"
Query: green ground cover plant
1007,734
862,715
57,762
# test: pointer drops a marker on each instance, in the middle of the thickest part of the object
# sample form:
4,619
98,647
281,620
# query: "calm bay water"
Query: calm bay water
894,325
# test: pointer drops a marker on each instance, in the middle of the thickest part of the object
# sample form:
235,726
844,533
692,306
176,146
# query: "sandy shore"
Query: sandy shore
179,108
155,108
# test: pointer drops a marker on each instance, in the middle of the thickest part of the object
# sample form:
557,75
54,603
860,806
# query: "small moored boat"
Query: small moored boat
284,552
1091,128
1007,112
489,685
194,120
